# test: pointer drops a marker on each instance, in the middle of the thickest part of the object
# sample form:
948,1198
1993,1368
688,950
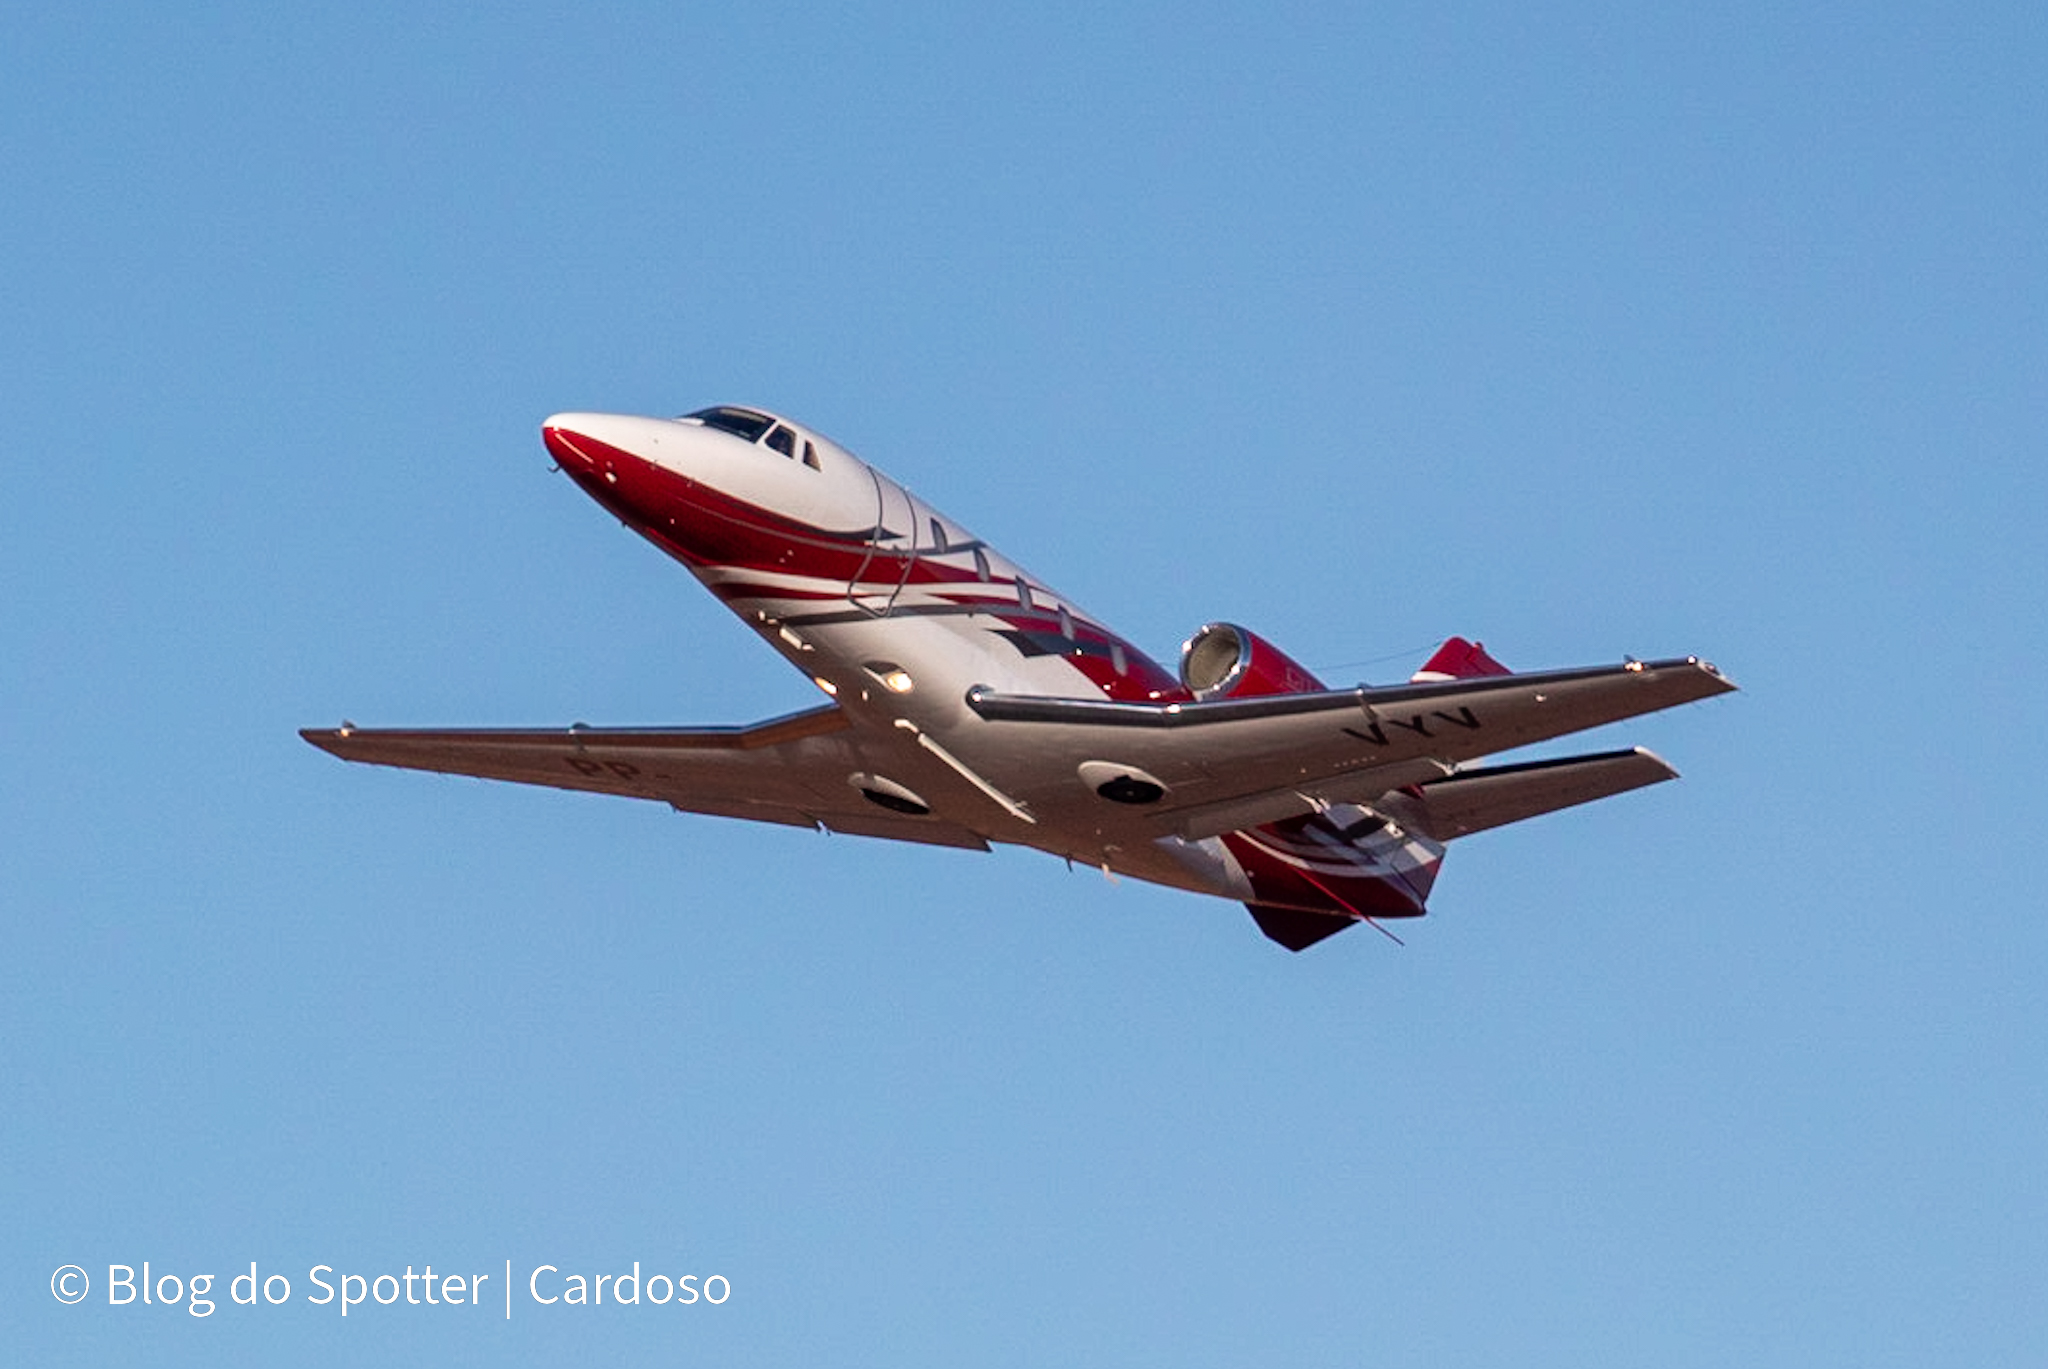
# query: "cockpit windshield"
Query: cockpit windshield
741,423
749,424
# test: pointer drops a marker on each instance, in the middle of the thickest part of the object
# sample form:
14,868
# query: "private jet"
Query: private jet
969,702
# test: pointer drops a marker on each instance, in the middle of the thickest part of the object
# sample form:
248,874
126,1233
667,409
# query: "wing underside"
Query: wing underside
790,770
1239,763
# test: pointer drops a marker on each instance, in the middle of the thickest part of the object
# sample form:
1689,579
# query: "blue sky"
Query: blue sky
1588,332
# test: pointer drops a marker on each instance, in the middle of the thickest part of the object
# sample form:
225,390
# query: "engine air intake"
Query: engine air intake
1225,661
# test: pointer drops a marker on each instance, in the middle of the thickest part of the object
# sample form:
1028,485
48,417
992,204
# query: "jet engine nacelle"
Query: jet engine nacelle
1225,661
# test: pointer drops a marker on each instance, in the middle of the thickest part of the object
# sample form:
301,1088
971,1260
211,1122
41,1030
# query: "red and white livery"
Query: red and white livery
973,703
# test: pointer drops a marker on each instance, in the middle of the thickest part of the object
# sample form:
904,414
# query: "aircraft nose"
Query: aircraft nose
560,433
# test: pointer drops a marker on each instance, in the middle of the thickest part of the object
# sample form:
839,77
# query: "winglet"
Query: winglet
1458,659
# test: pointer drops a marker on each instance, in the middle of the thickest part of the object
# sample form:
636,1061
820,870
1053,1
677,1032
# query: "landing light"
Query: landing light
893,677
821,682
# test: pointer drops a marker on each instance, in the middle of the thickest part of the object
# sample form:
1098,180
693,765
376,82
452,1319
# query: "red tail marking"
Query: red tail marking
1458,659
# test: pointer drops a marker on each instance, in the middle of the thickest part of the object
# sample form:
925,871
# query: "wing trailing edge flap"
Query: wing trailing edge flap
930,831
1493,796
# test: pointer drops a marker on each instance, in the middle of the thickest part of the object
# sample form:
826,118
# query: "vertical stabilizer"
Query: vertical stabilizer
1458,659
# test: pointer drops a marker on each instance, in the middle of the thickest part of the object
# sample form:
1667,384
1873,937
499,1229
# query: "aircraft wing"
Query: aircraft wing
789,770
1235,763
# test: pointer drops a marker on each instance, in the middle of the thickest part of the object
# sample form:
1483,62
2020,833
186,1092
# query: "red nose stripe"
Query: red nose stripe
561,443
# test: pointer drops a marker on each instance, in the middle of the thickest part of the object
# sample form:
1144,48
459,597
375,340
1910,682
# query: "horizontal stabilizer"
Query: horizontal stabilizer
1296,930
1474,800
